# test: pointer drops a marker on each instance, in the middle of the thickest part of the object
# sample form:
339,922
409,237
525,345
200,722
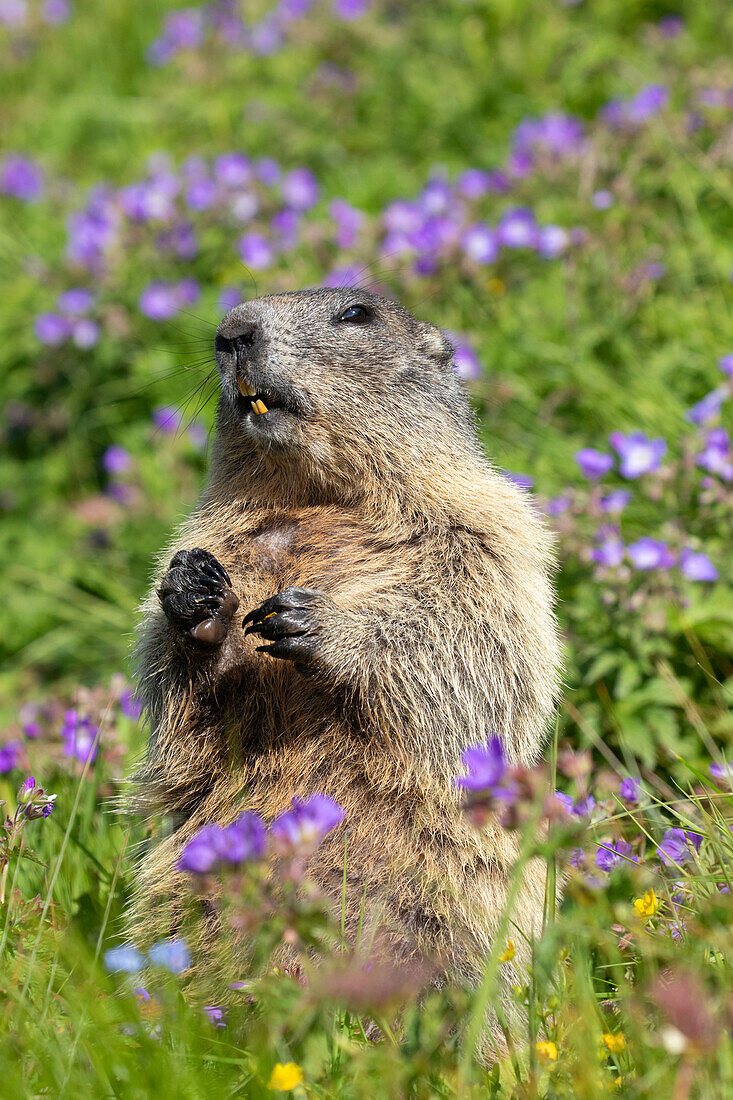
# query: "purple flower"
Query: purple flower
722,772
201,852
708,408
609,553
13,13
602,200
593,464
300,189
646,554
308,821
677,845
243,839
466,362
255,251
479,244
518,229
51,329
9,753
56,12
126,958
609,856
201,194
579,807
130,706
80,737
75,300
639,455
348,222
34,800
647,102
233,170
486,766
716,457
697,566
142,994
216,1015
555,133
167,418
671,25
522,481
474,183
85,333
116,460
268,171
726,364
229,298
26,789
20,178
557,505
629,789
552,241
350,9
615,501
198,435
159,301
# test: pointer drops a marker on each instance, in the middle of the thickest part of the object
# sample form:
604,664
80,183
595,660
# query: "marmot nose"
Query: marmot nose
238,341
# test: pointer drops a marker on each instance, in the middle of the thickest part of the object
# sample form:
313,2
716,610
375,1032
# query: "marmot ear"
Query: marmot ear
435,344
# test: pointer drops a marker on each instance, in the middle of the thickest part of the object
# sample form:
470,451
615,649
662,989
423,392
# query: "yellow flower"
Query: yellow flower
508,954
648,905
284,1077
614,1043
496,286
547,1052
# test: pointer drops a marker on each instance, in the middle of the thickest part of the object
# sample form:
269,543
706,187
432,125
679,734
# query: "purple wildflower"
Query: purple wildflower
167,418
630,788
647,553
722,772
229,298
486,766
80,737
20,178
300,189
56,12
75,300
708,408
126,958
697,566
159,301
85,333
611,855
307,821
639,455
172,954
479,244
116,460
233,170
243,839
556,506
578,807
130,706
522,481
518,229
9,754
255,251
348,222
216,1015
726,364
647,102
466,362
350,9
13,13
615,501
610,552
716,456
677,846
593,464
602,200
51,329
201,852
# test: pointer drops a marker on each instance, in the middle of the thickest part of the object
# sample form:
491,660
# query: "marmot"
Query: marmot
399,608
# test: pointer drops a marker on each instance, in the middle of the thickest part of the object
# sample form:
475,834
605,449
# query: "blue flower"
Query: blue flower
308,821
126,957
629,789
172,954
609,856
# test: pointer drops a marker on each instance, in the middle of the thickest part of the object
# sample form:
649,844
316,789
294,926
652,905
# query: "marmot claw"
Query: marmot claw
197,596
290,621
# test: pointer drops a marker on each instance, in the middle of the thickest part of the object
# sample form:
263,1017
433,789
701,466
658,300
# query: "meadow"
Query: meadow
551,184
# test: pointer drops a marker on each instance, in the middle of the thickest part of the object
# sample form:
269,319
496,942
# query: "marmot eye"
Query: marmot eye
356,315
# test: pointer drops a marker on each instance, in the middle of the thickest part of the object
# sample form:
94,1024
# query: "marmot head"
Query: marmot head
332,387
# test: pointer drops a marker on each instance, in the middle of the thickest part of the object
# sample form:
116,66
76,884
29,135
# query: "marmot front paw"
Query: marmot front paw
290,620
197,598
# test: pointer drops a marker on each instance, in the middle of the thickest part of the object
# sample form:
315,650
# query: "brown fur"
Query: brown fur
438,630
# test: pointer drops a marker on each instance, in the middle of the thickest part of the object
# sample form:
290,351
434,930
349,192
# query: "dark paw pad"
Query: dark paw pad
290,621
197,596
